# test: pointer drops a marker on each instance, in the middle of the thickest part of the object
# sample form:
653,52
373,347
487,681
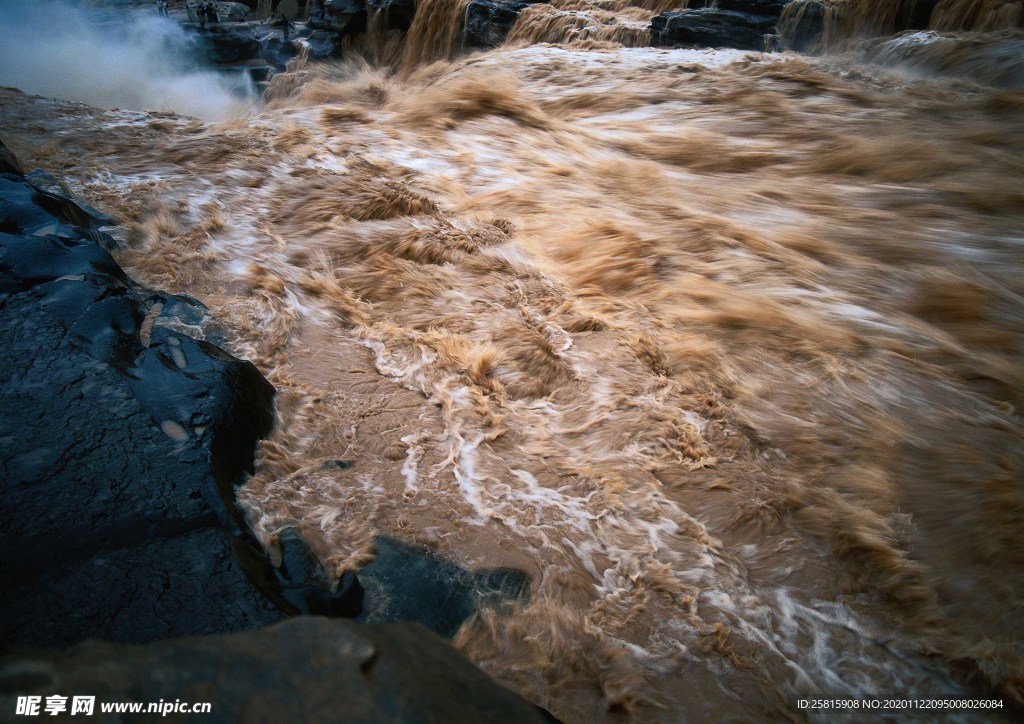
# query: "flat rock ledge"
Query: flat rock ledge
306,669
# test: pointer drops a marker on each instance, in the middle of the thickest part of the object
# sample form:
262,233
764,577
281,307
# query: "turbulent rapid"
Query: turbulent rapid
723,349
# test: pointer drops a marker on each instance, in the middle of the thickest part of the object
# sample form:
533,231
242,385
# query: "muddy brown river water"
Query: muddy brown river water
722,348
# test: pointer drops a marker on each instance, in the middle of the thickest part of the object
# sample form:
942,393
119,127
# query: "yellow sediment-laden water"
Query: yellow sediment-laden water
723,349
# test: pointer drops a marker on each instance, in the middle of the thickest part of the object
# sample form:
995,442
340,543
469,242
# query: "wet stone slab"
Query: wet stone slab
306,669
118,455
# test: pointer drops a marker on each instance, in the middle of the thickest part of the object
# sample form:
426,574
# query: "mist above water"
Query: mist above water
135,61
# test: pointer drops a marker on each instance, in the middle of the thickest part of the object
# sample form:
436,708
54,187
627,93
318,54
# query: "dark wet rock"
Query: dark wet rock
324,44
712,28
37,205
225,44
291,9
398,14
389,5
120,443
227,12
295,581
305,669
413,583
771,8
257,72
20,214
56,197
338,464
277,51
8,161
404,582
917,15
741,24
348,17
488,22
345,7
804,27
187,581
318,17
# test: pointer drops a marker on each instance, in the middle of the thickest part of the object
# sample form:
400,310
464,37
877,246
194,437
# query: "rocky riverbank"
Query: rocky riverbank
124,434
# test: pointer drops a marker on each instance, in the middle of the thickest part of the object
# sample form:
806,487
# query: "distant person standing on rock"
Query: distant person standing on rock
201,14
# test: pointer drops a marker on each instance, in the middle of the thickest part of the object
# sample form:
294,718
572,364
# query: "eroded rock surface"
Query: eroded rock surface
307,669
488,22
413,583
741,24
121,440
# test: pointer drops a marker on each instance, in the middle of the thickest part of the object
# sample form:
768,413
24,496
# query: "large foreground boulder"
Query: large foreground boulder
306,669
122,437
